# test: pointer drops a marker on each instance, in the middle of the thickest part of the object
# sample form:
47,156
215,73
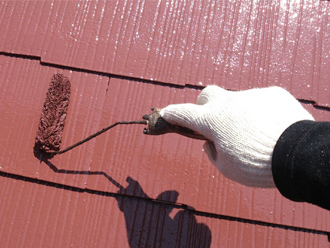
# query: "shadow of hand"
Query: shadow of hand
148,221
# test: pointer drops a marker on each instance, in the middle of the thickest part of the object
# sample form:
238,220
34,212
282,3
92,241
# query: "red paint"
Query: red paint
38,215
237,45
158,163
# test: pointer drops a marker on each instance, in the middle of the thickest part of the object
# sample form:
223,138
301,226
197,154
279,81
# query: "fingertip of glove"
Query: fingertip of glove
185,115
162,112
172,113
169,111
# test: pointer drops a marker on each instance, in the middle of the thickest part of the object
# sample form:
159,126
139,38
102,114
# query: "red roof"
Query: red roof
122,59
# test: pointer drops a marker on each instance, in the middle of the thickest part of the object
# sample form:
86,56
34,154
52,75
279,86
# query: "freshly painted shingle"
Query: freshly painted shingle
124,57
160,163
237,45
35,213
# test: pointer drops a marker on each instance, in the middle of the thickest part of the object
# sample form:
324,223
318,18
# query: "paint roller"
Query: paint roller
54,113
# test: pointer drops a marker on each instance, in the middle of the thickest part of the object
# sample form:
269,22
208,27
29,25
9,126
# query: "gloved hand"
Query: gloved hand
242,128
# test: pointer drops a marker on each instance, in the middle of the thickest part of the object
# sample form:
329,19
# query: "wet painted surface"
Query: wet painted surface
40,214
71,200
237,45
160,163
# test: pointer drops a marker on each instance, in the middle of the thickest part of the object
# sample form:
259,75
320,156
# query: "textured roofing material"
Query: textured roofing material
39,214
160,163
237,45
124,57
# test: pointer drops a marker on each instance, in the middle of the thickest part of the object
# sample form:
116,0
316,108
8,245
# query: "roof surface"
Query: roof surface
124,57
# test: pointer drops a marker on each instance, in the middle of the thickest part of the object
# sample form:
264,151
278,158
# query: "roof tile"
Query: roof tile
237,45
158,163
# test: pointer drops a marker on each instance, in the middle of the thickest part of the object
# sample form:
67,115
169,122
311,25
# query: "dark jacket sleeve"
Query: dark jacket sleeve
301,163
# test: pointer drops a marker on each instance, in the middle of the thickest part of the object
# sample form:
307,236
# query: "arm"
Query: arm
301,163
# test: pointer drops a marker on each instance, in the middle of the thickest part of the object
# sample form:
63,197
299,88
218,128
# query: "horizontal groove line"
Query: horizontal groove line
109,194
124,77
100,73
174,205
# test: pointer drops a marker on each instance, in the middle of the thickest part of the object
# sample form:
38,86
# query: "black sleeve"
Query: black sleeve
301,163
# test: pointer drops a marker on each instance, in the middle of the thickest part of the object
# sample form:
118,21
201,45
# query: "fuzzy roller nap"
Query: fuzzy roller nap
53,115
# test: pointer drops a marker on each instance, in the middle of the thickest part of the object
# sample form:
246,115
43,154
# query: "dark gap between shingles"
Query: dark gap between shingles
134,79
174,205
100,73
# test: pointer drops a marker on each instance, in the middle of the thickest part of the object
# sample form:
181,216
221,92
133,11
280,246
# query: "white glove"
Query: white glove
242,128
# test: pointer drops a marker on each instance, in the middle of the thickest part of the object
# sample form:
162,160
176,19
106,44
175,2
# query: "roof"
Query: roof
124,57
